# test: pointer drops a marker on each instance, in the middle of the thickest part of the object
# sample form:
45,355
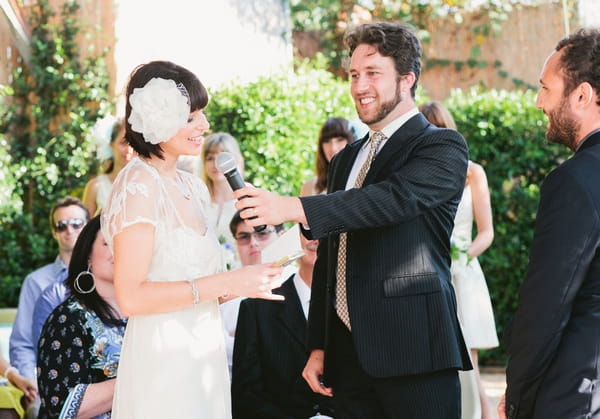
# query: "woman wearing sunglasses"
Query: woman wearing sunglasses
80,344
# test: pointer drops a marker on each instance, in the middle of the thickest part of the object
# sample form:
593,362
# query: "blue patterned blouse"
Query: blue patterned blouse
75,349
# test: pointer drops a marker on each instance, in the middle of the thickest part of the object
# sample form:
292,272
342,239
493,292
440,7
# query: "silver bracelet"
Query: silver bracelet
195,292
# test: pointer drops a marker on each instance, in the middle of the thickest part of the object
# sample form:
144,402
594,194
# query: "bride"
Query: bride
169,271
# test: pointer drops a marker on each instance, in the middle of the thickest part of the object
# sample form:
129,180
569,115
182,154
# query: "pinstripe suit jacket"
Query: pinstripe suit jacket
268,357
400,299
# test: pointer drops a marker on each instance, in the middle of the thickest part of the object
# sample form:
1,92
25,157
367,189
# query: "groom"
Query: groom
383,311
554,339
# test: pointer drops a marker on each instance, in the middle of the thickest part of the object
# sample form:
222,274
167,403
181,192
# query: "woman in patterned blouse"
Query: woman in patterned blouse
80,344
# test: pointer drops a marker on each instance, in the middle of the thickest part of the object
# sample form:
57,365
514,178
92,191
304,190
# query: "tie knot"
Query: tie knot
376,138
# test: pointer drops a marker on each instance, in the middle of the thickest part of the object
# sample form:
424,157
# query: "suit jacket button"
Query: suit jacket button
511,411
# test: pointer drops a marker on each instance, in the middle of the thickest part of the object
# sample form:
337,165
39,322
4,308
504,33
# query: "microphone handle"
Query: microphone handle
236,182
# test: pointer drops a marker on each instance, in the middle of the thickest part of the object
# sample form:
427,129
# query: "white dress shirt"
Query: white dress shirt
388,131
303,291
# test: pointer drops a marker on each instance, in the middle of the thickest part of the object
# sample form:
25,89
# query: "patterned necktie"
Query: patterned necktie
341,301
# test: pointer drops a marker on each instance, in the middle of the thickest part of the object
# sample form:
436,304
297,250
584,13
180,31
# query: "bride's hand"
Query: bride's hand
256,281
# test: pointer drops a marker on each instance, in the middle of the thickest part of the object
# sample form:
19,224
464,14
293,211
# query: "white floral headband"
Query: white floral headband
159,109
101,134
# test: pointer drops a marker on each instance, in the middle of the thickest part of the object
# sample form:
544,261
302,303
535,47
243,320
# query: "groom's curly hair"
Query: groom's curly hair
395,40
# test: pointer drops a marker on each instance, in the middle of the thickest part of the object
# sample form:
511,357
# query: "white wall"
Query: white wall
589,13
218,40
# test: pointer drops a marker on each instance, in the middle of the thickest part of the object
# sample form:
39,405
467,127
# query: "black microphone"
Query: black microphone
228,166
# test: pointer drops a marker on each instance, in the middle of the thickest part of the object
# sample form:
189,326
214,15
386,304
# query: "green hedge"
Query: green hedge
45,116
276,121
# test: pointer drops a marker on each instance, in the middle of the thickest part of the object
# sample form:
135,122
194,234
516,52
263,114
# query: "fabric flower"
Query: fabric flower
101,133
158,110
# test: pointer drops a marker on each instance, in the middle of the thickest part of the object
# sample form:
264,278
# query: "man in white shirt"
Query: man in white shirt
67,218
270,352
250,245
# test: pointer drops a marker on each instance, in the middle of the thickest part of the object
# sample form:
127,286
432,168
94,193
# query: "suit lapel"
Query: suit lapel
343,165
291,314
411,128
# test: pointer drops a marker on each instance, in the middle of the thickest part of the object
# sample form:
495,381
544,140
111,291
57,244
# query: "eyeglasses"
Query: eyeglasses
62,225
261,236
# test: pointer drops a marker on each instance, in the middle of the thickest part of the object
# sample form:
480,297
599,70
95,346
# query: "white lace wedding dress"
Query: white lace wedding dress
172,365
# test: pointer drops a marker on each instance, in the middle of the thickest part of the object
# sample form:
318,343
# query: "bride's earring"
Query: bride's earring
87,277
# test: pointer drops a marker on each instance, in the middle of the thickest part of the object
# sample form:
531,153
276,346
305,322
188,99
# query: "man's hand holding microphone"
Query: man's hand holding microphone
258,206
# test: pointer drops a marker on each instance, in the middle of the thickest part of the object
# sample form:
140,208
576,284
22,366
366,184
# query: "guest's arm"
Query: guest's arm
51,297
89,195
65,371
22,346
482,210
90,400
26,385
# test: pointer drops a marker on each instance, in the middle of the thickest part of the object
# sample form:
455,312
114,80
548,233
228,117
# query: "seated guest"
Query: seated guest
67,218
80,343
52,296
269,352
250,245
16,393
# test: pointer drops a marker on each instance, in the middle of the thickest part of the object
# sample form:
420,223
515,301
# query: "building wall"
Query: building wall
518,51
519,48
589,13
217,40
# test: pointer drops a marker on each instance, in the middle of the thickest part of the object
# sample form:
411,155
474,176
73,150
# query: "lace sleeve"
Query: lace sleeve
136,197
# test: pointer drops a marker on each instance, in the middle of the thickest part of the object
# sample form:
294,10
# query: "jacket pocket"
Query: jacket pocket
417,284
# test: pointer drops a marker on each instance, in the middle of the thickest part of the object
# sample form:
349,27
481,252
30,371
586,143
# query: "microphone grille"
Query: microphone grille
226,162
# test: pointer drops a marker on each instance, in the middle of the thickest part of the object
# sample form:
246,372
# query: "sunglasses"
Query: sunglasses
261,236
62,225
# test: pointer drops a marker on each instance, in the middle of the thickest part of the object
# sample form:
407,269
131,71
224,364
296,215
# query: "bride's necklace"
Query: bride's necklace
180,187
177,182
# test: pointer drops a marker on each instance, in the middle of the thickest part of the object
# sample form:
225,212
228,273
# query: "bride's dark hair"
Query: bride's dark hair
168,71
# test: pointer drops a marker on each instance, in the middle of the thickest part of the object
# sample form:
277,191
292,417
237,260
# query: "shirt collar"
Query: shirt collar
393,126
586,137
59,267
58,262
302,289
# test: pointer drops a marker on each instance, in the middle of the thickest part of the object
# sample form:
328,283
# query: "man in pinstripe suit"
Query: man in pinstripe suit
269,352
383,311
